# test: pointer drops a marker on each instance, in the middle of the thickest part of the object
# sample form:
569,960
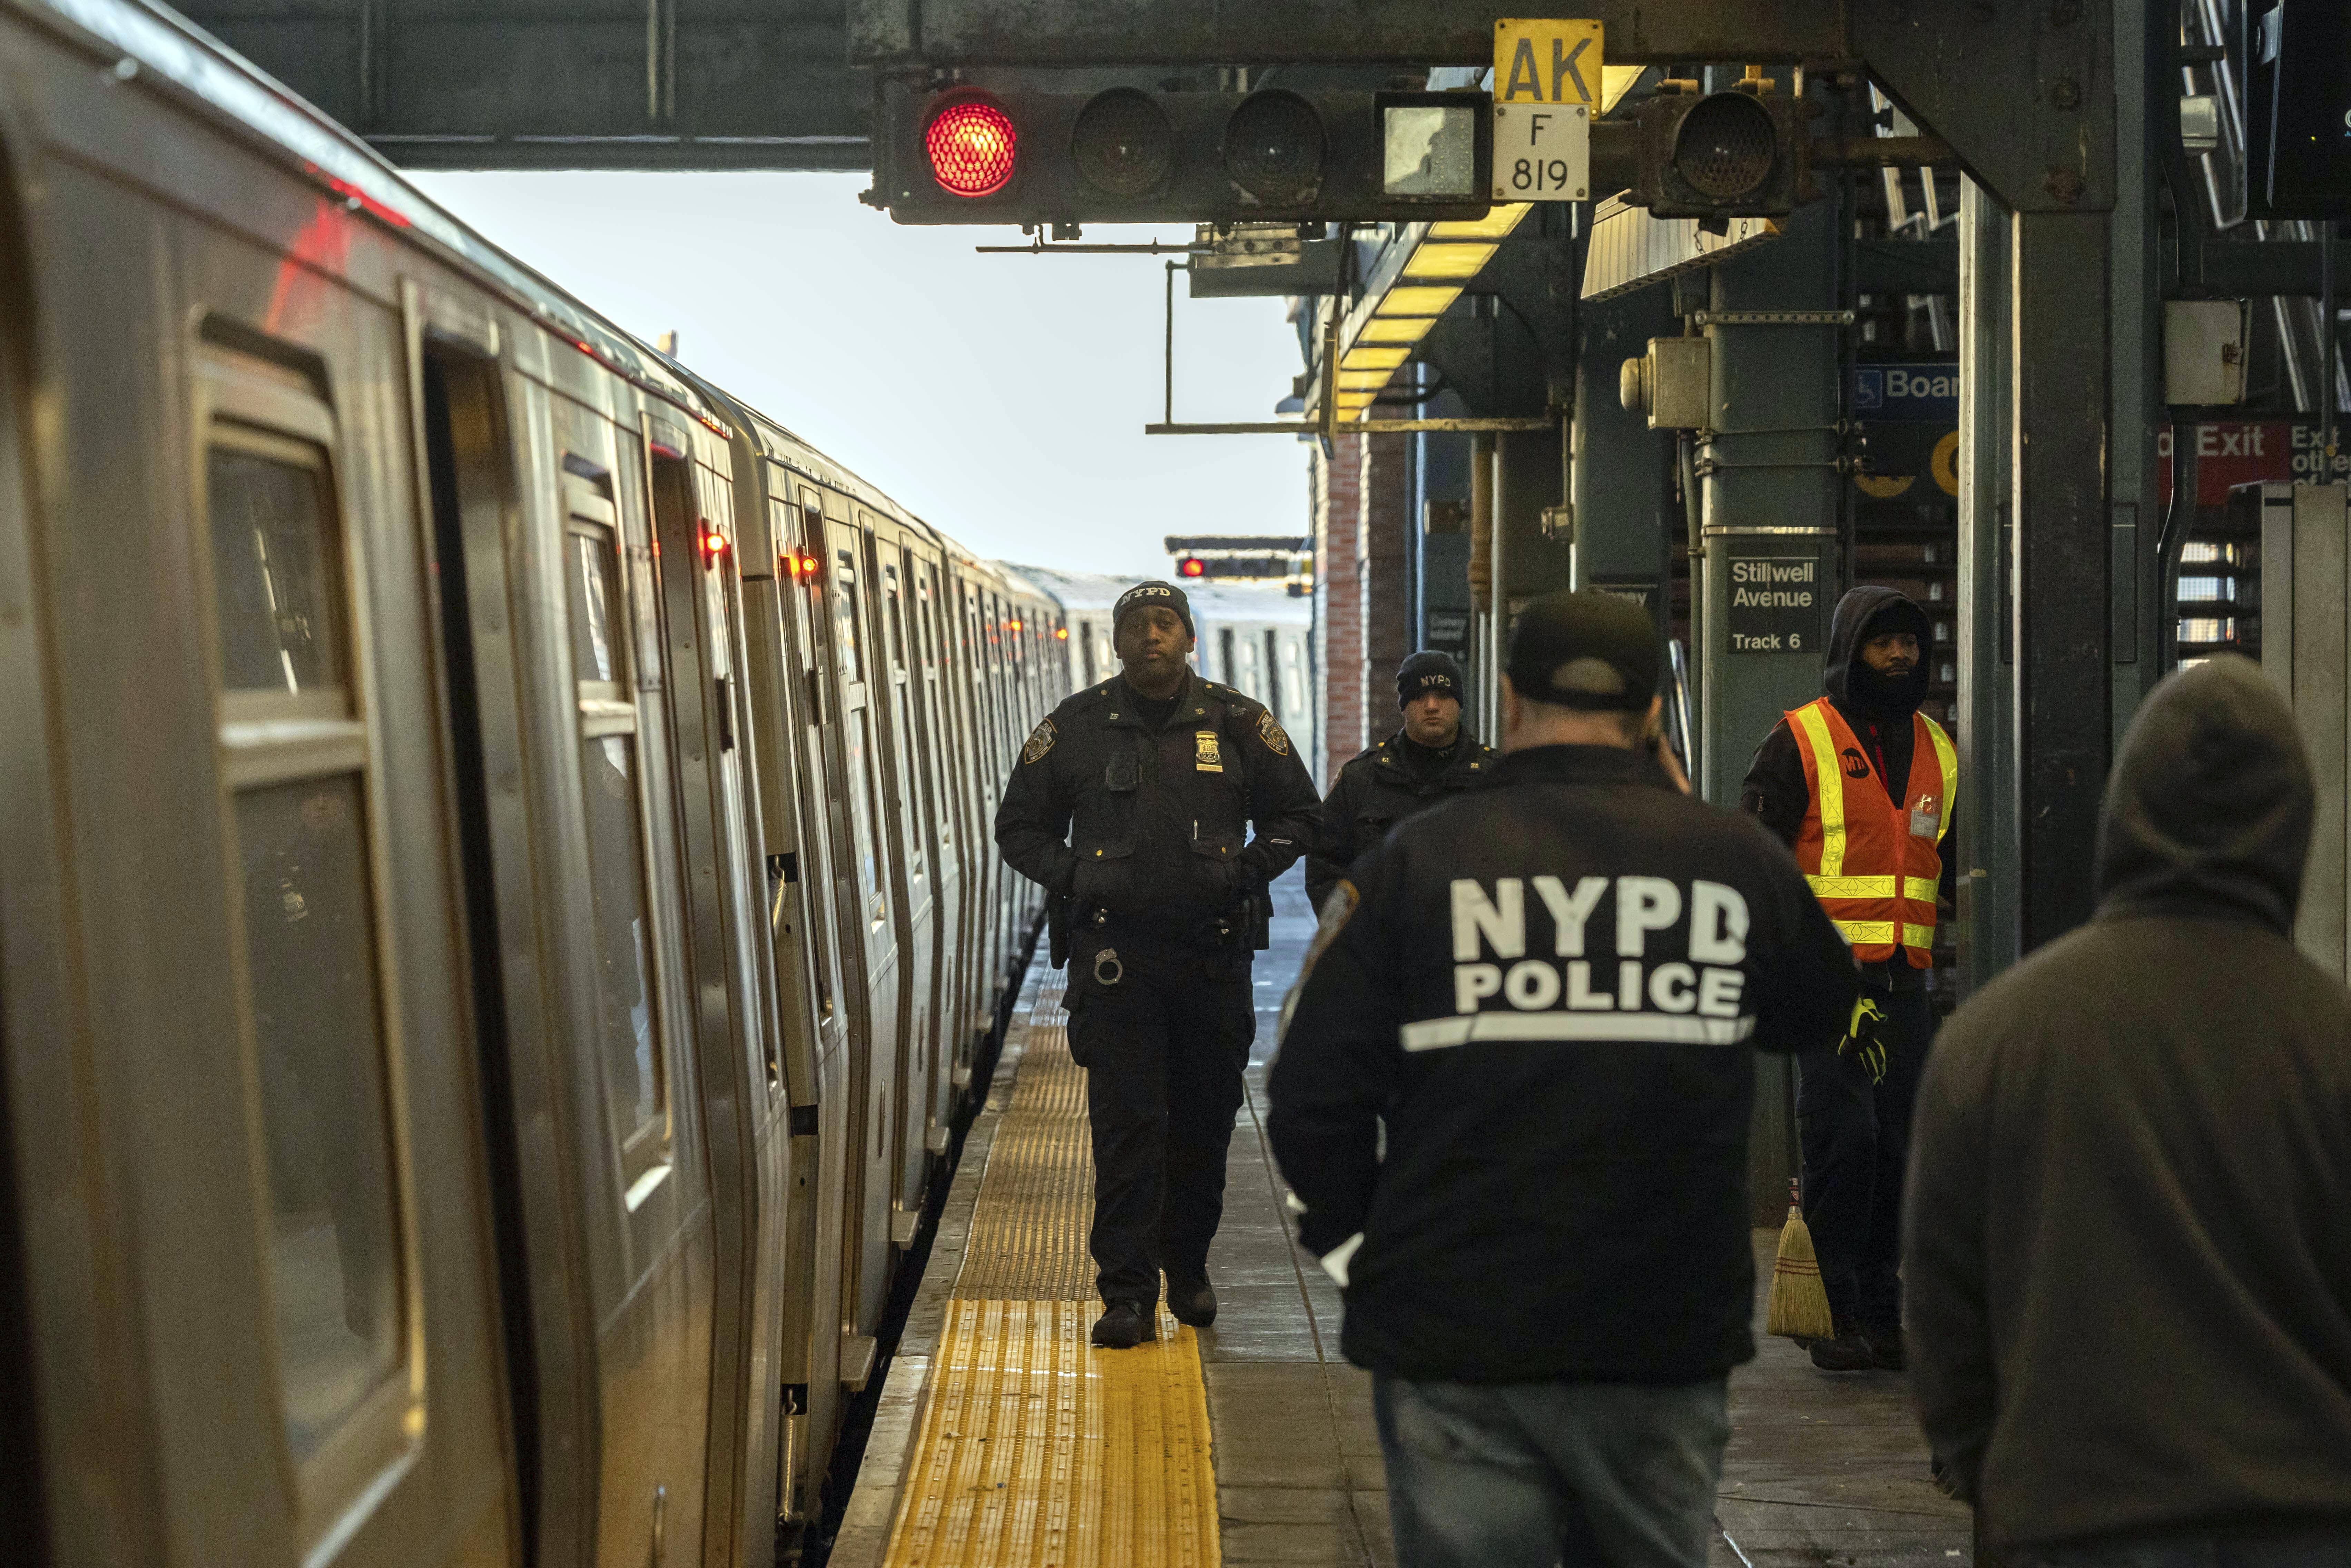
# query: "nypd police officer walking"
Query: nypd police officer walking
1512,1098
1430,757
1130,804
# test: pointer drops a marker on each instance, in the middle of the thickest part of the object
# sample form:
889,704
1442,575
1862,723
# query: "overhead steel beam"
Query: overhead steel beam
898,32
568,84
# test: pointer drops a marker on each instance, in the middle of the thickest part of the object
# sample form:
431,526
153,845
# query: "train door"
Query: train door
274,1023
869,930
823,1141
741,1074
911,805
948,758
984,863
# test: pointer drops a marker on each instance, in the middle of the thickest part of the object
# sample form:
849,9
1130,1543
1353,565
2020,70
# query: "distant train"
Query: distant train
496,904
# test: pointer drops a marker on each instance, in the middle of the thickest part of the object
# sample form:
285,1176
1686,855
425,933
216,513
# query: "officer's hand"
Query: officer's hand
1865,1037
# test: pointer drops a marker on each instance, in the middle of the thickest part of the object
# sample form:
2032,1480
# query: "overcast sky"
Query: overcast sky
1002,397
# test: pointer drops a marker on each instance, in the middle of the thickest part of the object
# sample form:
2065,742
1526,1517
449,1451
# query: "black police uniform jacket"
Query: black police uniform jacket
1373,793
1152,825
1549,991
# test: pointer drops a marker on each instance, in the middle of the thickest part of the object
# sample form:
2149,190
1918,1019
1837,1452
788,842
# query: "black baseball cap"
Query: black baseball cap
1588,651
1164,594
1429,671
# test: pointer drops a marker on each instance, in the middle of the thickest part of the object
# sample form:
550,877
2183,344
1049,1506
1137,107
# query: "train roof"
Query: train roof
1265,603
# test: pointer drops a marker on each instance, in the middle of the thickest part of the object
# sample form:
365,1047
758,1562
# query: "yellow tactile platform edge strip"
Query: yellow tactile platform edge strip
1035,1448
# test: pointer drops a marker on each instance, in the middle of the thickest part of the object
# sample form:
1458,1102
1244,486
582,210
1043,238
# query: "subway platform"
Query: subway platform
1002,1439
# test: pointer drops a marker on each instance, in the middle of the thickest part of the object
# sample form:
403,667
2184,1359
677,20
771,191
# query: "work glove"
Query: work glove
1865,1037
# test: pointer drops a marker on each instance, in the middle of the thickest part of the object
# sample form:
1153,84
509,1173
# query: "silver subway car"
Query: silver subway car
495,902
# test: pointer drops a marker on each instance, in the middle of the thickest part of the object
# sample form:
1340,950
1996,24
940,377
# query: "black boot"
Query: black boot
1885,1351
1849,1352
1125,1325
1192,1299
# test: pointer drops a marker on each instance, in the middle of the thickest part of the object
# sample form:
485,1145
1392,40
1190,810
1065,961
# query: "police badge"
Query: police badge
1041,741
1205,756
1270,733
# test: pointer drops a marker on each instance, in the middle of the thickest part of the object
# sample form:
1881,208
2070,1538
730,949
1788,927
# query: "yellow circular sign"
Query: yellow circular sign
1884,486
1946,466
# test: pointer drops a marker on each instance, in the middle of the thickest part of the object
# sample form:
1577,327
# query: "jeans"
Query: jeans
1535,1474
2318,1548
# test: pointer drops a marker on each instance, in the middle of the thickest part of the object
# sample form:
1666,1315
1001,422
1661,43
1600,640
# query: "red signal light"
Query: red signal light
972,145
1191,566
714,545
1063,632
801,564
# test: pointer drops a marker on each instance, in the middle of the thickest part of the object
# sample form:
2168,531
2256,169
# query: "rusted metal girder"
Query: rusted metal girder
887,34
2021,90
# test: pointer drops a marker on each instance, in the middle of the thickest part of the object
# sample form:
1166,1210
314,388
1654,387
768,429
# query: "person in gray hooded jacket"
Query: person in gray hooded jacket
2128,1227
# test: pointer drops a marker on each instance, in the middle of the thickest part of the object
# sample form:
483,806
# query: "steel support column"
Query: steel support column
1986,733
1617,465
2058,278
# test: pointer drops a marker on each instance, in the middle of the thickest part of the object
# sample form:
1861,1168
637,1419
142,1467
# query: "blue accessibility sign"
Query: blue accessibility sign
1923,394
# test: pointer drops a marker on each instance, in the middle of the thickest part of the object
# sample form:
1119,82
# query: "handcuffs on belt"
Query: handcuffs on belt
1108,970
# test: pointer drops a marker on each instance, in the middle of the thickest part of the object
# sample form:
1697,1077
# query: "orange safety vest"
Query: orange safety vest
1873,865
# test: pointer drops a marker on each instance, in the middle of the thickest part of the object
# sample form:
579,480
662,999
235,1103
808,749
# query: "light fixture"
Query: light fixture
1395,329
1453,261
1424,300
1496,224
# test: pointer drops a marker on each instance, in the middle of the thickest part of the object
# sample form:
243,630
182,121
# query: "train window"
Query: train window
294,755
849,638
273,570
629,1043
310,966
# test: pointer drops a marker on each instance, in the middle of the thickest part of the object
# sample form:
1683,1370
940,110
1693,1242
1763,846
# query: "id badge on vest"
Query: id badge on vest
1926,817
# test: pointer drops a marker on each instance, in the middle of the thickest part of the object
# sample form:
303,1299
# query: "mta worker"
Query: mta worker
2128,1253
1132,804
1860,783
1511,1104
1430,757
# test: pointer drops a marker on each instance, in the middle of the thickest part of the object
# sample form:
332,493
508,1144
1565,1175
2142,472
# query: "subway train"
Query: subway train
498,911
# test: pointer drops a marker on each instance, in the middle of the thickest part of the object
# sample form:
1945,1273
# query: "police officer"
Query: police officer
1431,756
1544,994
1859,783
1131,803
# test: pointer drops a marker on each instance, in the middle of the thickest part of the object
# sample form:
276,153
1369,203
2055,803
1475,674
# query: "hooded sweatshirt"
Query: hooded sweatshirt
2127,1230
1878,709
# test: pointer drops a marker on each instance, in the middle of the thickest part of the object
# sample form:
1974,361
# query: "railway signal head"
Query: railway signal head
1191,566
1128,154
1740,153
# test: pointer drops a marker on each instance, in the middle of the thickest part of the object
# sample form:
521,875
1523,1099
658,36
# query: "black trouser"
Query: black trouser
1857,1141
1164,1034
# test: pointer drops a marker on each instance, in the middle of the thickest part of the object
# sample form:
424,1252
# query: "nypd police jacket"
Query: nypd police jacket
1375,792
1152,824
1549,991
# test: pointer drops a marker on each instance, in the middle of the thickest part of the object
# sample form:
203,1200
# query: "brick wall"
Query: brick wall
1384,497
1339,605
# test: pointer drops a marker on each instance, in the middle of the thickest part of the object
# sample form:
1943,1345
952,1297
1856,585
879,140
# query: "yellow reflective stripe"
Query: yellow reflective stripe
1828,784
1949,760
1866,933
1921,888
1852,886
1917,935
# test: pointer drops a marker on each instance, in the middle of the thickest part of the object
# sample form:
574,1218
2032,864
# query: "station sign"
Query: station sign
1546,90
1926,394
1775,603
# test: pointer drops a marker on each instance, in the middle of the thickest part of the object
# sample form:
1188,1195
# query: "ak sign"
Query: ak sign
1909,394
1546,90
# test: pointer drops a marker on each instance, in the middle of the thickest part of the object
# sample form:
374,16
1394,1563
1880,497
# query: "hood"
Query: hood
2209,811
1861,614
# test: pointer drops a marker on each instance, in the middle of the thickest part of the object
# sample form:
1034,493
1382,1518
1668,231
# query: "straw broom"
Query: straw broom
1800,1303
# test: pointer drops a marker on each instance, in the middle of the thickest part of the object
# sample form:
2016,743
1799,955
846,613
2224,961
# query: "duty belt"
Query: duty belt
1213,934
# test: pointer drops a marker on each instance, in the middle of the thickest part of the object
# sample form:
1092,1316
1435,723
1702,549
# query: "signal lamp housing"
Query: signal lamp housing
1274,145
1122,144
1191,566
1724,155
